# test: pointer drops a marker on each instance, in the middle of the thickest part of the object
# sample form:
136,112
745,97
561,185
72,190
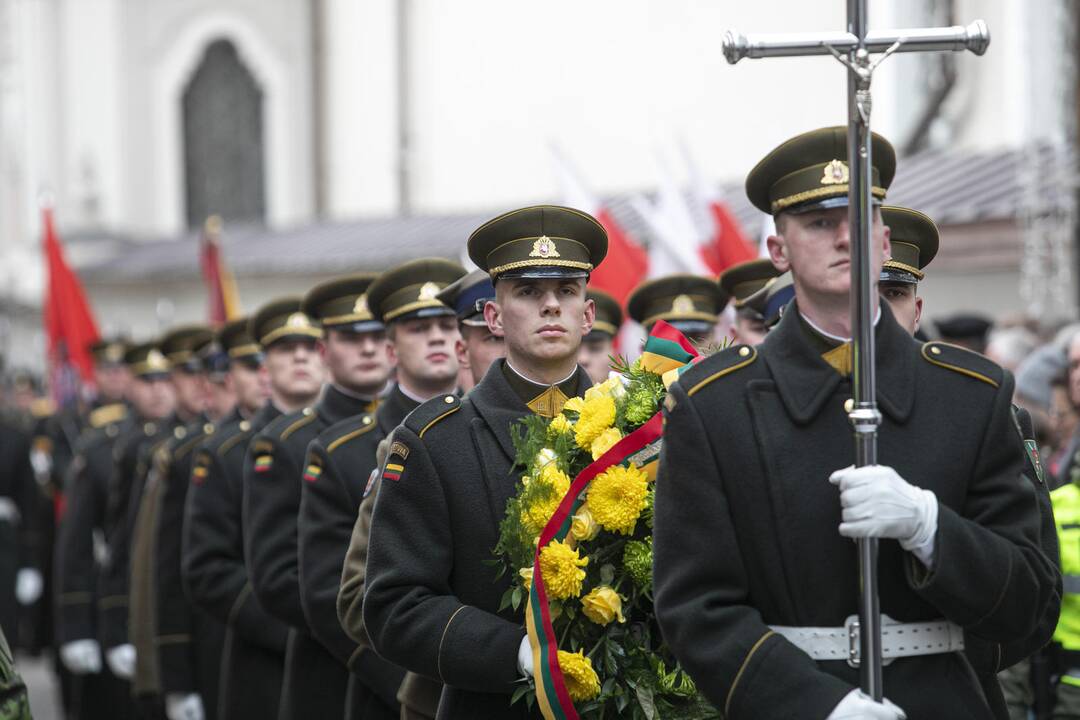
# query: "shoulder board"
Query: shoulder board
307,416
964,361
424,417
337,435
711,369
42,407
230,441
107,414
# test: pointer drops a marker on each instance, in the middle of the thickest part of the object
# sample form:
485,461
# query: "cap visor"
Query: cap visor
824,204
542,273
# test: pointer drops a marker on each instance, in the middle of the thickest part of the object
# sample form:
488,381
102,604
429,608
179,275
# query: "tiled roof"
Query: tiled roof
954,188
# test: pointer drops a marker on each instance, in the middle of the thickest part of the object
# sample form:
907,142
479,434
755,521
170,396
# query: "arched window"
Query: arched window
223,140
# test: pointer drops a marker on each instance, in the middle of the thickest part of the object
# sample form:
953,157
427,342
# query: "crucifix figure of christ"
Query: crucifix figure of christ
854,49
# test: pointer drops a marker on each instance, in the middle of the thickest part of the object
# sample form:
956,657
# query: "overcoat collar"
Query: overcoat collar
393,409
501,406
335,405
805,381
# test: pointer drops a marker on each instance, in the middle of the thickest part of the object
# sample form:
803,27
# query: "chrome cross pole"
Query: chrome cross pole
853,49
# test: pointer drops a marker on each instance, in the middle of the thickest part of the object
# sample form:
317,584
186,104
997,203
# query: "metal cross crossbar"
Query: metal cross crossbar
854,48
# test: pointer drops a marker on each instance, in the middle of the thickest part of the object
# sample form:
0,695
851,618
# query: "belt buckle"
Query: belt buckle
851,625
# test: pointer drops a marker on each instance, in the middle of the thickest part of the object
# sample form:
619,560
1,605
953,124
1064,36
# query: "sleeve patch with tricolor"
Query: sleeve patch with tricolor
264,458
395,461
312,471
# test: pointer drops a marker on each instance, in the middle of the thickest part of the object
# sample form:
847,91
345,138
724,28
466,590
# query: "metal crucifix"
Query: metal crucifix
853,49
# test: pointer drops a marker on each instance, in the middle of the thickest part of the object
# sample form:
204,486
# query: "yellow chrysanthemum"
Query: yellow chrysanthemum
574,404
562,566
604,442
581,680
617,497
556,478
560,425
535,515
596,417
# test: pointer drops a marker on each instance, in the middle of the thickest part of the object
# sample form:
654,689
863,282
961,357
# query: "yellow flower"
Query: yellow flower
603,605
535,515
617,497
574,404
583,527
581,680
604,442
561,567
560,425
596,417
526,574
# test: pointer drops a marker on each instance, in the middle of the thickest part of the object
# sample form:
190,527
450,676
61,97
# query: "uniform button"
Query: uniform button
179,433
245,426
367,420
308,411
935,350
849,405
449,399
208,428
744,351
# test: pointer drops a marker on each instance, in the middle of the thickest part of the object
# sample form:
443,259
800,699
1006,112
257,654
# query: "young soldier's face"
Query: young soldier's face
294,367
220,398
905,304
112,381
541,319
816,247
153,398
477,349
423,349
595,357
190,391
251,384
358,361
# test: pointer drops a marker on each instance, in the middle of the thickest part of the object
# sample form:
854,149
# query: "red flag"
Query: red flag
625,265
222,301
728,245
68,319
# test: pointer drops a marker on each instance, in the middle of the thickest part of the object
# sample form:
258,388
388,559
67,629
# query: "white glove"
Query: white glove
879,503
525,658
121,660
857,706
81,657
28,585
181,706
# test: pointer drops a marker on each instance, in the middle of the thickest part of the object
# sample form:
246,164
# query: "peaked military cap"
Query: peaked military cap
236,341
609,315
690,303
914,239
467,295
342,304
109,351
411,289
743,280
181,344
542,241
146,361
810,172
771,300
280,319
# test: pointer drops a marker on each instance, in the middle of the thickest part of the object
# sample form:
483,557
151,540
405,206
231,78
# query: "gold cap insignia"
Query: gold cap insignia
836,173
298,320
156,361
544,247
682,304
428,291
114,352
360,306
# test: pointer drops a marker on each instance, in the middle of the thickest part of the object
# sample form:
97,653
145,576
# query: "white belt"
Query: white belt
897,639
9,510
